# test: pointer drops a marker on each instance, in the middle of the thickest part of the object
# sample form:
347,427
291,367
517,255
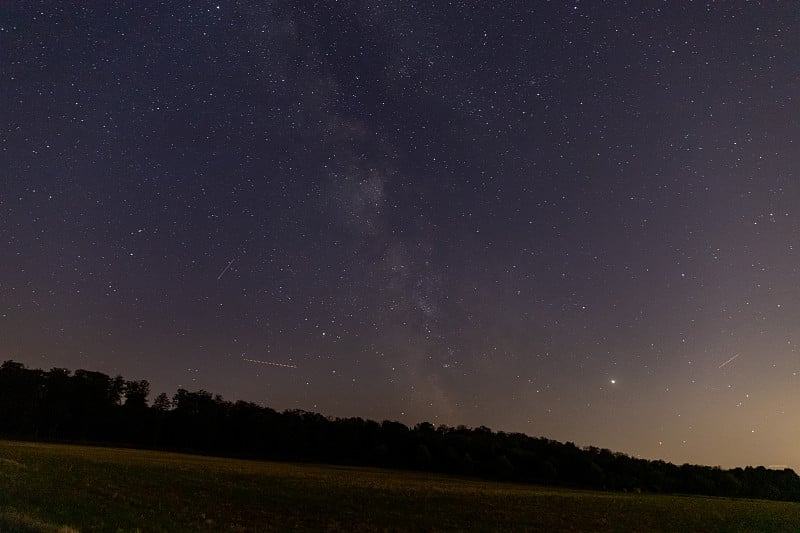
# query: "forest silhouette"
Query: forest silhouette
91,407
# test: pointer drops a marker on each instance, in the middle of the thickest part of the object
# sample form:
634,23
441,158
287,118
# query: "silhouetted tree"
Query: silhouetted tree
88,406
136,393
162,402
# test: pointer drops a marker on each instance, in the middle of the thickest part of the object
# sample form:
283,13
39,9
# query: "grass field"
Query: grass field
73,488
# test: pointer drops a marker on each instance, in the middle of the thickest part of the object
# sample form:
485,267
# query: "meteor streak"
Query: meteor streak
282,365
225,269
729,360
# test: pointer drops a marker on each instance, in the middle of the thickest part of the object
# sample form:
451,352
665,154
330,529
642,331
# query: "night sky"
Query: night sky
576,220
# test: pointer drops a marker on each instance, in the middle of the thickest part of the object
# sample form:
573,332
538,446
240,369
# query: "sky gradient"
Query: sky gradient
576,220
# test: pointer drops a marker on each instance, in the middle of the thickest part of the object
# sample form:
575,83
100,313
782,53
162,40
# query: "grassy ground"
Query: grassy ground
72,488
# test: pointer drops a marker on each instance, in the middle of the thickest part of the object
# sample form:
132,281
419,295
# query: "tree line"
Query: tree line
91,407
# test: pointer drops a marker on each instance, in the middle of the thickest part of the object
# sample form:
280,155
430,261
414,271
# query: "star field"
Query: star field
575,220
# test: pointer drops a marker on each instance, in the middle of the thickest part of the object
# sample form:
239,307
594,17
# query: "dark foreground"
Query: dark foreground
73,488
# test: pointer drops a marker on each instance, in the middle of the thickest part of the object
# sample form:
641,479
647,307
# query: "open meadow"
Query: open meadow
63,488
